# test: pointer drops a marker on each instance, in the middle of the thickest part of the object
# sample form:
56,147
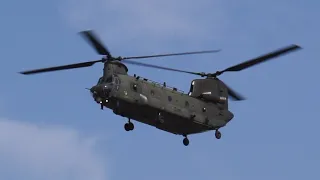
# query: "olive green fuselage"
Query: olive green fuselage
161,106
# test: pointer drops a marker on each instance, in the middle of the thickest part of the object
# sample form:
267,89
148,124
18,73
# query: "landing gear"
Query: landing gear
217,134
185,141
129,126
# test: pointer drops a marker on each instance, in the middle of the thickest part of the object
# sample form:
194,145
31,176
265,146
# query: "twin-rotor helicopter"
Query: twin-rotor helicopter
203,108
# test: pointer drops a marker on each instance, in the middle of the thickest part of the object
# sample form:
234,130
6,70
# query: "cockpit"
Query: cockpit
105,87
109,79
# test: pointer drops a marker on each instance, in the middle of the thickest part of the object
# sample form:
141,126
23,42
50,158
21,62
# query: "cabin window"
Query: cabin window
187,104
169,98
204,109
117,80
135,87
207,120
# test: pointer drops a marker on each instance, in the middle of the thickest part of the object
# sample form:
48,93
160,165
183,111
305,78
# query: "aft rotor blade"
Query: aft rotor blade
58,68
159,67
233,94
93,39
263,58
172,54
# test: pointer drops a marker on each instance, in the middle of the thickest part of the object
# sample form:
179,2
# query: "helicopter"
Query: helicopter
204,108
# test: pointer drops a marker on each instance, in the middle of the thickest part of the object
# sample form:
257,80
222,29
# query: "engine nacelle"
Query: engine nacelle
211,90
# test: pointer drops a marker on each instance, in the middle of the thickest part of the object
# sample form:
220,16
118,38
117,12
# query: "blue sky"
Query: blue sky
50,128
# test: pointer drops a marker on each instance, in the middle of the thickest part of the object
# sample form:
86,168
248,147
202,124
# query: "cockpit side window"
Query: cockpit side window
117,80
100,80
109,79
106,80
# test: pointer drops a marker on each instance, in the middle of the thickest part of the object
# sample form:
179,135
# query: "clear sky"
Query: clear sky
51,128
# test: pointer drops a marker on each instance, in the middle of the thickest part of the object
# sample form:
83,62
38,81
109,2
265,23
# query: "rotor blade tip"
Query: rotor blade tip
296,46
239,99
85,32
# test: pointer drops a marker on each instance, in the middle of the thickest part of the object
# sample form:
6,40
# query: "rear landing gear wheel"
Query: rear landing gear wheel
129,126
186,141
217,134
126,127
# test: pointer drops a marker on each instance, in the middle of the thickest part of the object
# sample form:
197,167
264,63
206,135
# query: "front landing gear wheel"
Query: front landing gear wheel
186,141
218,134
129,126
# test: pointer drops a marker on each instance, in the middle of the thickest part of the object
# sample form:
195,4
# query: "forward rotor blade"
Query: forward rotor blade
172,54
263,58
58,68
158,67
233,94
93,39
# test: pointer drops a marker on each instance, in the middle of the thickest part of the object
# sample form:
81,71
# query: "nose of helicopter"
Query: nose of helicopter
101,92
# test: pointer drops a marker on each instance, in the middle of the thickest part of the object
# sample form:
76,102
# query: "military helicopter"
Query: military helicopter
203,109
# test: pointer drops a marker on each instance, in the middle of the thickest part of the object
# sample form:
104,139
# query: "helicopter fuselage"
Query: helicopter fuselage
158,105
